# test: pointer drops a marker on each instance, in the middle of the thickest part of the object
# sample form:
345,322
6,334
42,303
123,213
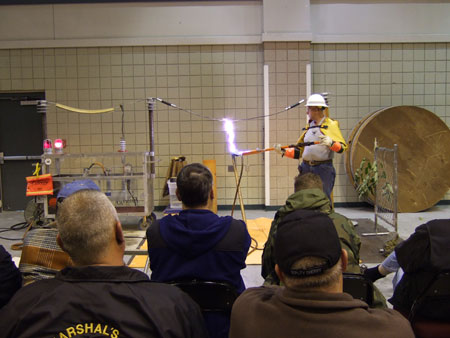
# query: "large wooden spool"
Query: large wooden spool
423,141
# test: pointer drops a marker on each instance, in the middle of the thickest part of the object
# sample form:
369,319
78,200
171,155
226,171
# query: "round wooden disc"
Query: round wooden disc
423,141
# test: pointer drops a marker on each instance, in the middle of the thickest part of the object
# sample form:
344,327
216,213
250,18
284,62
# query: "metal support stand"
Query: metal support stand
238,188
151,106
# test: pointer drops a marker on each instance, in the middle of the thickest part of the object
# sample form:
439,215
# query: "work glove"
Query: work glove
326,140
278,149
373,274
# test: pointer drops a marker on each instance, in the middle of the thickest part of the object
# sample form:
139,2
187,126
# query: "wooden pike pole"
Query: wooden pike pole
238,187
258,151
252,152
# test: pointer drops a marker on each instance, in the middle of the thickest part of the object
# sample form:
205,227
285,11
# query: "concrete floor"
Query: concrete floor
407,222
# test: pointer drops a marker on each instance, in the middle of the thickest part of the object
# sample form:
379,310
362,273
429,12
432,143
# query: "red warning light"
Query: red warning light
60,144
47,145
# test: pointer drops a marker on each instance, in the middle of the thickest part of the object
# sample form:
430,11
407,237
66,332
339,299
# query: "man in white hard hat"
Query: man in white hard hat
318,158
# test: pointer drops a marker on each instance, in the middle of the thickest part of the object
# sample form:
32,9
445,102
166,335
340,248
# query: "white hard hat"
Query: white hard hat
316,100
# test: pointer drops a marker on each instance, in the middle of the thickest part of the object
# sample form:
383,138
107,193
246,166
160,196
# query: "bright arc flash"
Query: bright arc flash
229,128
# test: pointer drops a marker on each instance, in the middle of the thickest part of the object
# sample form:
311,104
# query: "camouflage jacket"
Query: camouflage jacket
313,199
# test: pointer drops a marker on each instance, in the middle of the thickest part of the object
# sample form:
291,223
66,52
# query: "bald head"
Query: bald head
86,224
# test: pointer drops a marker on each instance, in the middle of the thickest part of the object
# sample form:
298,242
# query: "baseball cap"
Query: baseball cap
306,233
73,187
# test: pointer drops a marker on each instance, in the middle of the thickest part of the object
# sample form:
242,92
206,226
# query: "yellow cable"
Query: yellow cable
38,168
100,165
84,111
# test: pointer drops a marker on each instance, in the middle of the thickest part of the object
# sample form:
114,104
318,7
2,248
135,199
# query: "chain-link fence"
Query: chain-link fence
386,194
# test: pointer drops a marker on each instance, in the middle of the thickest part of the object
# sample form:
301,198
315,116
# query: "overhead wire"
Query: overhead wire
121,107
234,120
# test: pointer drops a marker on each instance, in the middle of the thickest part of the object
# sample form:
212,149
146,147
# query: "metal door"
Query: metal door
21,134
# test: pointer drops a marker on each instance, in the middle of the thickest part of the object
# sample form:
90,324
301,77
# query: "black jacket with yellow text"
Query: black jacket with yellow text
100,301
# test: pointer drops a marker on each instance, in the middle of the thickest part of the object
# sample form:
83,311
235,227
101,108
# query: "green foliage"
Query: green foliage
366,179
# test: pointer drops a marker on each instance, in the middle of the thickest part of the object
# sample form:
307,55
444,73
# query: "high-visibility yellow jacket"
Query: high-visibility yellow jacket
330,128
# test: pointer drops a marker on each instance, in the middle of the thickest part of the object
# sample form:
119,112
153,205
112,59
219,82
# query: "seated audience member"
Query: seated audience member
422,257
309,195
389,265
99,295
10,277
198,244
309,262
41,255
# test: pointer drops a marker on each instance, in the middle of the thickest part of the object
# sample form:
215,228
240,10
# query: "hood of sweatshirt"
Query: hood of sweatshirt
314,199
194,231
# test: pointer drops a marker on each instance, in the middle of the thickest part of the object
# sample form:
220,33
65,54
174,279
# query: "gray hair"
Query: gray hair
325,279
85,222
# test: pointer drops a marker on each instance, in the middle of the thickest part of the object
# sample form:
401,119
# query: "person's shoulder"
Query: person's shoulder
239,228
236,222
6,260
340,219
31,292
3,251
385,313
389,318
329,120
337,217
168,218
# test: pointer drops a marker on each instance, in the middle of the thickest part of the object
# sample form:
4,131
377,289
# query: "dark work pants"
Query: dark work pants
326,172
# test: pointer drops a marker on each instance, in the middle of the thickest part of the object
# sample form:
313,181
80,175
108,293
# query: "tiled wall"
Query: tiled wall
363,78
287,85
216,81
224,81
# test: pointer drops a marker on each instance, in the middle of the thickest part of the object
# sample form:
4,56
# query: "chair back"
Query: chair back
41,255
434,302
211,296
359,287
430,313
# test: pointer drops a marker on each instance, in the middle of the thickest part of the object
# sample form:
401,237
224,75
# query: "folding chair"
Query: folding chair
359,287
211,296
430,313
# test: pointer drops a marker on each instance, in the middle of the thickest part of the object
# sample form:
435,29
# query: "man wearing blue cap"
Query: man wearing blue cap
41,256
310,262
75,186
